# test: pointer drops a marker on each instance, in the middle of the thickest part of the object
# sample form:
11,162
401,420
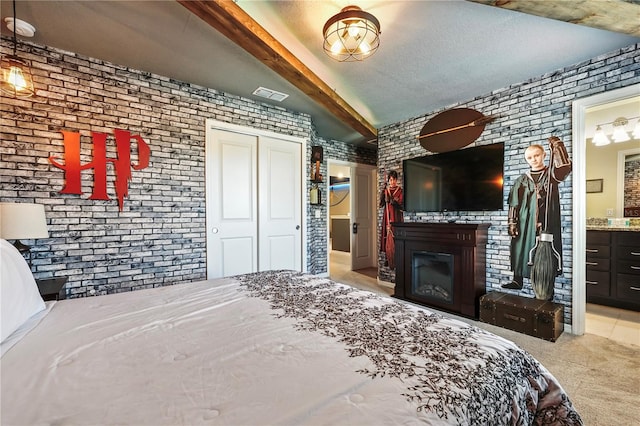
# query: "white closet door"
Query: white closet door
254,201
280,201
232,205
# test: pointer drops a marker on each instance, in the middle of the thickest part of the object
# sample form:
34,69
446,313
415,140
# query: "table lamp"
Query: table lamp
22,221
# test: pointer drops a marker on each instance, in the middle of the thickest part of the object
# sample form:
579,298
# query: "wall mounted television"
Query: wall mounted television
468,179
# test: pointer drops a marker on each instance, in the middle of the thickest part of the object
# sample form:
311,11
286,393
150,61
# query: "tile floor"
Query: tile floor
616,324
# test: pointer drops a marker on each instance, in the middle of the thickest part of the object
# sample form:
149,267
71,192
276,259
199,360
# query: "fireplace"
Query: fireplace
441,265
431,276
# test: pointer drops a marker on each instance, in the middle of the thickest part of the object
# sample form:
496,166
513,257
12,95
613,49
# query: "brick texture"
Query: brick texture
529,112
159,237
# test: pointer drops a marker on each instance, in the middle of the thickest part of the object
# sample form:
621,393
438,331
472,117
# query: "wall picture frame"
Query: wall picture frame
594,185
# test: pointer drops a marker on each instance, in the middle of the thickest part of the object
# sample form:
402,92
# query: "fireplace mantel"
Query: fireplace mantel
463,243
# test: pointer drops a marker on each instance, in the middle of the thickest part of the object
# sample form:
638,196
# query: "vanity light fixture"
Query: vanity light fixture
351,35
17,80
619,132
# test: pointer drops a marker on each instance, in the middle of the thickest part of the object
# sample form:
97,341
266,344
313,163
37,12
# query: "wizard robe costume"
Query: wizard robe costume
392,213
528,197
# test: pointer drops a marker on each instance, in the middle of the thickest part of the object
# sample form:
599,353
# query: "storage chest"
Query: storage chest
538,318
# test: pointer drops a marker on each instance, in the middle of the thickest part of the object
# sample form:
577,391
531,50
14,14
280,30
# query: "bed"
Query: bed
270,348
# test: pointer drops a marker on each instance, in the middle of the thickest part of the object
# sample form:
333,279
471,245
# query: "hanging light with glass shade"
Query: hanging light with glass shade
351,35
17,80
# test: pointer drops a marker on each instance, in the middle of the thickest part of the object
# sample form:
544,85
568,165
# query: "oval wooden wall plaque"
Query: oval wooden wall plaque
453,129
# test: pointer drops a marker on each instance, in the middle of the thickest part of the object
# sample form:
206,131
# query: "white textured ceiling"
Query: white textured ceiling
432,53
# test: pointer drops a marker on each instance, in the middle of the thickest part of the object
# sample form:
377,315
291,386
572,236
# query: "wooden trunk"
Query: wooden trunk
538,318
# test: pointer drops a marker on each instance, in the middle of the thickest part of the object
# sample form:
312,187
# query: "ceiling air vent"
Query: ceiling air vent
270,94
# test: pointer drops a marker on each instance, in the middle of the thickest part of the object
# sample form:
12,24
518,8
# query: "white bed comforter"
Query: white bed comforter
273,348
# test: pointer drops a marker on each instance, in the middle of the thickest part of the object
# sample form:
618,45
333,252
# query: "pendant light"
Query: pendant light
17,80
351,35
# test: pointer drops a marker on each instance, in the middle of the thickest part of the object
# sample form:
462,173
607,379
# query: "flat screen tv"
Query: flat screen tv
468,179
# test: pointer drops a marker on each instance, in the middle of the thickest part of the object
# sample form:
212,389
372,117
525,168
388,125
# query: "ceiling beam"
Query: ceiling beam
229,19
621,16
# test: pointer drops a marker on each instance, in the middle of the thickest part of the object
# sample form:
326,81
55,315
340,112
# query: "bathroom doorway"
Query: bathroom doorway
588,113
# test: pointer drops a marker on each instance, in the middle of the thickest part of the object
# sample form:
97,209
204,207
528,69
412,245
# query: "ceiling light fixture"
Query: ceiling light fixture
17,80
351,35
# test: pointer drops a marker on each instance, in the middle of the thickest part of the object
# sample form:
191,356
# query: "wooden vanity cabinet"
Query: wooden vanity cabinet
613,268
628,266
598,261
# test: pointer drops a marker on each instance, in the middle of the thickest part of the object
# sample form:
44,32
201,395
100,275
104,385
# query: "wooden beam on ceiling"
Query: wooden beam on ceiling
228,18
621,16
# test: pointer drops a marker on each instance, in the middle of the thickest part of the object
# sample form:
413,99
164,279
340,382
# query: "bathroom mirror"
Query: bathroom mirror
630,165
611,161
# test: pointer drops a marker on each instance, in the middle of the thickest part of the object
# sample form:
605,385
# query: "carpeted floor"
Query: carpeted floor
601,376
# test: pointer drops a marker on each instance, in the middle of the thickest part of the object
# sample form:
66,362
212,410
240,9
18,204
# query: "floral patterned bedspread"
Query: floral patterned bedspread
460,373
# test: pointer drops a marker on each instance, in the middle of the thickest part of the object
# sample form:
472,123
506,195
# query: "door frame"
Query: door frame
578,134
212,124
352,165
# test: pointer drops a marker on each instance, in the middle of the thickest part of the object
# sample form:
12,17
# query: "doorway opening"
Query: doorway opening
587,113
351,197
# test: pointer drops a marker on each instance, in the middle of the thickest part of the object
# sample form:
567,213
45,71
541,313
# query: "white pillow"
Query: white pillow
19,295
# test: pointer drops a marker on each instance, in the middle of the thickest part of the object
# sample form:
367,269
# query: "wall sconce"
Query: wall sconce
619,133
17,80
351,35
23,221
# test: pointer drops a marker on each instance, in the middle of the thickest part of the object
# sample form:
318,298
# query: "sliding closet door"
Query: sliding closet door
232,204
254,190
280,200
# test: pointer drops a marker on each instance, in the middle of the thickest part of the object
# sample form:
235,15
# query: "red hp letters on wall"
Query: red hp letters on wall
122,164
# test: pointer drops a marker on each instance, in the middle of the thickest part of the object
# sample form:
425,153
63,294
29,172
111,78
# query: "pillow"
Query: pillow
19,295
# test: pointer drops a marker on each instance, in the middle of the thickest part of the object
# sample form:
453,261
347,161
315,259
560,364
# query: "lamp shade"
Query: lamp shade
22,221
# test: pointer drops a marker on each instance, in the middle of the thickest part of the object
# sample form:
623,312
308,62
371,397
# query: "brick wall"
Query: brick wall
529,112
159,237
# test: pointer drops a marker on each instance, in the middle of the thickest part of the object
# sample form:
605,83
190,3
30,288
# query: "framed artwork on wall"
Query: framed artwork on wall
594,185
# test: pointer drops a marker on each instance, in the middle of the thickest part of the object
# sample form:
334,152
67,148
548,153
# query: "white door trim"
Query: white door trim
579,107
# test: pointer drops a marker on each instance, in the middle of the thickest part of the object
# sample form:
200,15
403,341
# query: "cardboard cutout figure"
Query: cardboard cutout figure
534,219
391,199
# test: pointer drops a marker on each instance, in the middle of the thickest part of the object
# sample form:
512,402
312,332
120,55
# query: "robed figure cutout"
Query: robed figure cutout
391,199
534,220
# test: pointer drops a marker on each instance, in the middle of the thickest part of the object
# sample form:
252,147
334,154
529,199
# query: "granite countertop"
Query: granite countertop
602,224
613,228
